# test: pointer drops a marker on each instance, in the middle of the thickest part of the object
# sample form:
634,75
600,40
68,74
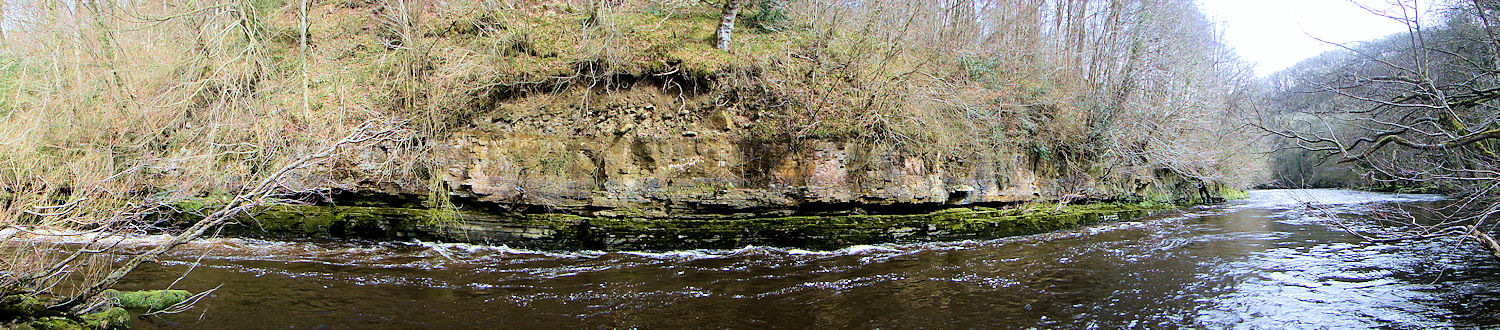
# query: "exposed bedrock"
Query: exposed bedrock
641,176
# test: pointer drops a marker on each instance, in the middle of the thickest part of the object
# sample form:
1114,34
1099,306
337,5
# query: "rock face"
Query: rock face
716,190
679,176
645,176
657,152
642,169
618,176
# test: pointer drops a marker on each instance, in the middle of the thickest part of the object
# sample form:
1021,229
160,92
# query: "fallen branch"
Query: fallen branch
256,196
1488,241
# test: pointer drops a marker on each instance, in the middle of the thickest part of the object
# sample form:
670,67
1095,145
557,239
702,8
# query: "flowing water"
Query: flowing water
1265,262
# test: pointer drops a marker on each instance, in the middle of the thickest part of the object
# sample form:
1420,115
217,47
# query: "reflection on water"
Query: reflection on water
1262,263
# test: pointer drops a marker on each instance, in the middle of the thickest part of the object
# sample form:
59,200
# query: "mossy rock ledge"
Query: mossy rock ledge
20,311
575,232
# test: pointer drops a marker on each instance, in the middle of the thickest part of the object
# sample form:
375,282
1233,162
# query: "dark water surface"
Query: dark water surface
1265,262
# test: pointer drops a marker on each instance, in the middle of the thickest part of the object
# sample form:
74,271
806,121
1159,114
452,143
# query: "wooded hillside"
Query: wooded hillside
112,111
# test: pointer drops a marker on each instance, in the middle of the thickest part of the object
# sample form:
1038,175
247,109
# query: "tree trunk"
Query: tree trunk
726,22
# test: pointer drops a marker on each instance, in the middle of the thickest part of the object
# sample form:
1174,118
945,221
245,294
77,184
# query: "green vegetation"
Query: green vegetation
907,76
566,231
148,300
346,221
112,318
26,312
17,306
114,113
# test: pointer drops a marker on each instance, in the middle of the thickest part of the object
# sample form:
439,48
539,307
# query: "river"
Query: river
1264,262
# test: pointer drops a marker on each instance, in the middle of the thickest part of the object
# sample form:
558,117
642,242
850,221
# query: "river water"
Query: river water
1266,262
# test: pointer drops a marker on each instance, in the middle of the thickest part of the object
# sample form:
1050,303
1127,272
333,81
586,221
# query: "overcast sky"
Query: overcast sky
1275,34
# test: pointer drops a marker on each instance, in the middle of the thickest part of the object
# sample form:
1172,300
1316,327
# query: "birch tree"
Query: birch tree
730,12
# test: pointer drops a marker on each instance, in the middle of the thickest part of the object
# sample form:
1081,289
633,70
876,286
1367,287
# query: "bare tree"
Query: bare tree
101,238
269,190
180,112
1418,110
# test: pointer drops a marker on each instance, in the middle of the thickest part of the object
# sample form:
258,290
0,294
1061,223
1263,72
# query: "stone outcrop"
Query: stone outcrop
630,171
717,190
672,176
659,152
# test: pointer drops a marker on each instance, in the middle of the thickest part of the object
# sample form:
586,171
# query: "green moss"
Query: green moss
53,323
1235,194
954,210
839,231
1152,204
18,305
202,204
113,318
356,221
632,231
148,300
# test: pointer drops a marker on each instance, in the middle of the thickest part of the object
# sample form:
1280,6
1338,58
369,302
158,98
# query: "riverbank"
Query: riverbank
558,231
28,311
1264,262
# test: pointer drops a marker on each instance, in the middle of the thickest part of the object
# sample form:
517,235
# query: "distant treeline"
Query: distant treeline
1414,111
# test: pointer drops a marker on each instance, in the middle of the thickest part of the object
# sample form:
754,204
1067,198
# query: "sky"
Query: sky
1276,34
